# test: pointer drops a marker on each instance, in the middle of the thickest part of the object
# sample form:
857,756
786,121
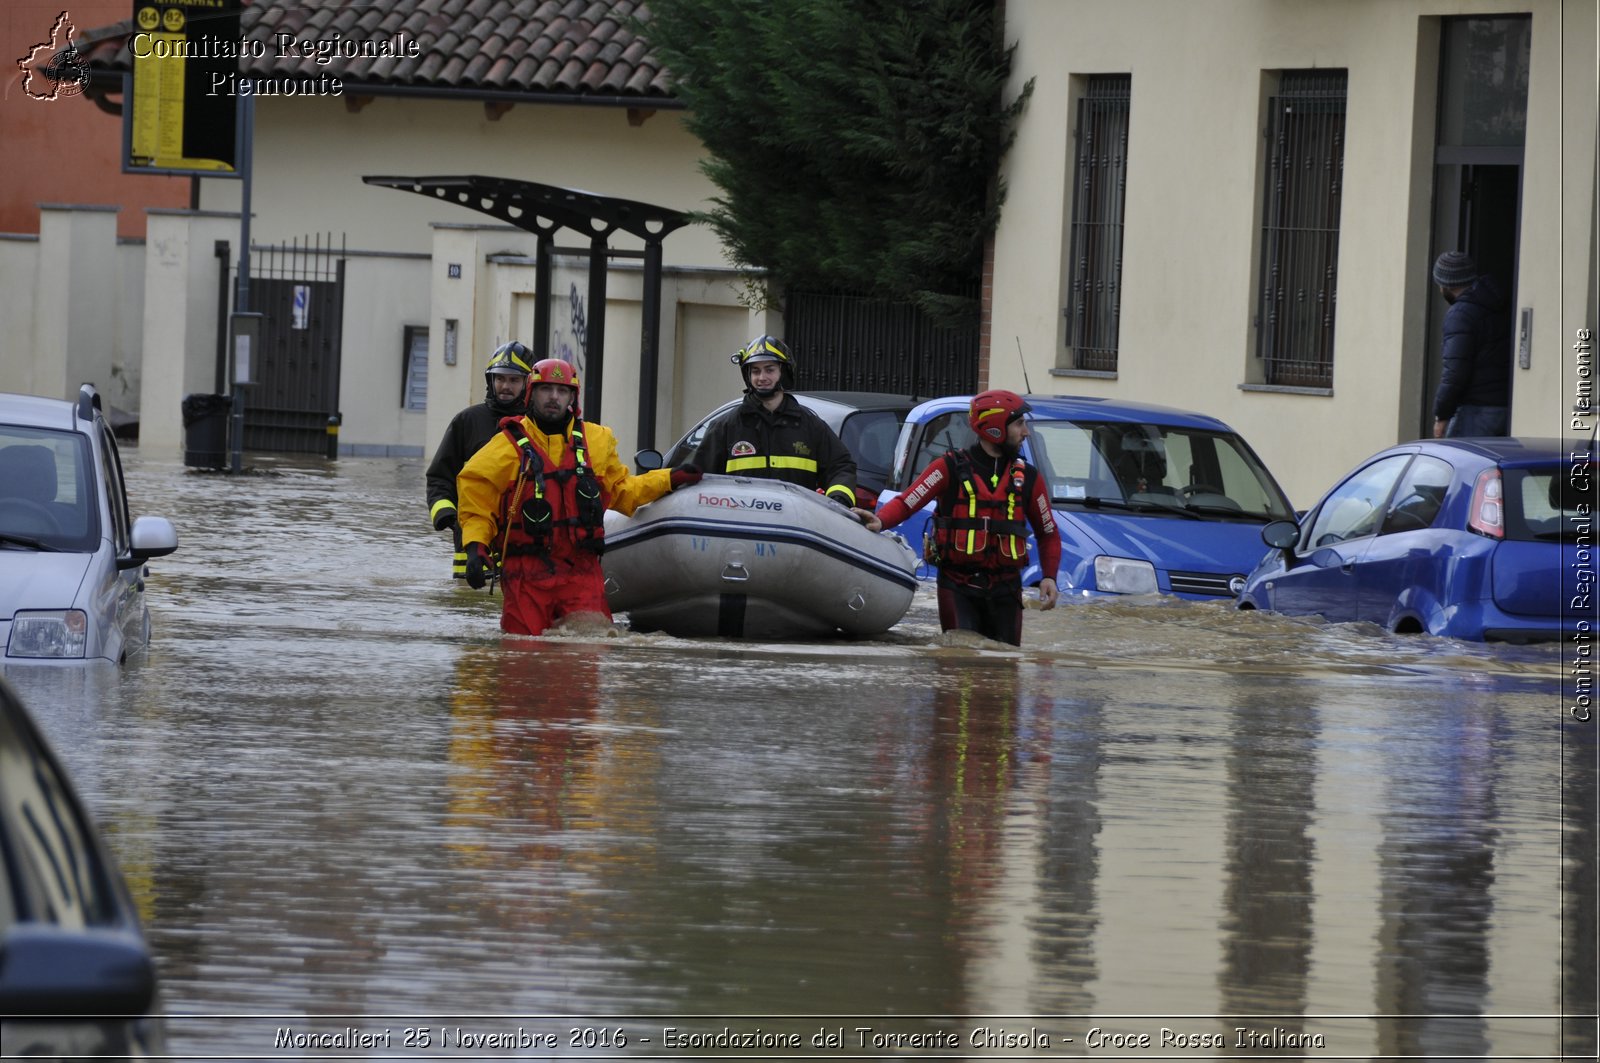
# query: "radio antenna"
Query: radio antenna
1024,361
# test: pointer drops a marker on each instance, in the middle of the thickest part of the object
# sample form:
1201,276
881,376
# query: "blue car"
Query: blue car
1480,539
1148,500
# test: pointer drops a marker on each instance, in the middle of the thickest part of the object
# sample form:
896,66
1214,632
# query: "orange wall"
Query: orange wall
65,150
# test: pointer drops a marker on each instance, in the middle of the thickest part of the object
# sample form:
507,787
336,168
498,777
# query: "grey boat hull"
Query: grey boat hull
754,559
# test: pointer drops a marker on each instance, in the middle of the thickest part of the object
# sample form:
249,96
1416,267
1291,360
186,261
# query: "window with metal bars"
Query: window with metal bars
1100,183
1300,228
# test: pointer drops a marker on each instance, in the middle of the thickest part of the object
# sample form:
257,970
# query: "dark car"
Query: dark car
868,422
76,975
1469,538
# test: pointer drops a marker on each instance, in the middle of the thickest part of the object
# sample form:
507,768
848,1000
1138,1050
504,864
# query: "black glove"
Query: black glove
445,518
686,474
480,566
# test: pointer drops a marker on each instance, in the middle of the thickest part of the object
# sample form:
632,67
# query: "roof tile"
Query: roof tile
523,72
533,47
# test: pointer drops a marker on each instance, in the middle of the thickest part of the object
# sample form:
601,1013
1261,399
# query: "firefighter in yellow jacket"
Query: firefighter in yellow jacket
537,493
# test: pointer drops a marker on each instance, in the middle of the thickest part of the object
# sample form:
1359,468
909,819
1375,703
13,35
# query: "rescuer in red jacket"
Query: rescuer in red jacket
988,499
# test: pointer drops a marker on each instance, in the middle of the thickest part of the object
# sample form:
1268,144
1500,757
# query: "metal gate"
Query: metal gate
299,287
852,343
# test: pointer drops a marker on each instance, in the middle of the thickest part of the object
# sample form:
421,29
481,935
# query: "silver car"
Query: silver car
72,561
867,422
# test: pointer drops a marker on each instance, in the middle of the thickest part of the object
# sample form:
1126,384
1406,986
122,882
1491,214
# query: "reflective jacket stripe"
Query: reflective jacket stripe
764,462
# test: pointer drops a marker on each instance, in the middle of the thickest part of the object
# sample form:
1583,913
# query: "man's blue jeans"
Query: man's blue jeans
1479,421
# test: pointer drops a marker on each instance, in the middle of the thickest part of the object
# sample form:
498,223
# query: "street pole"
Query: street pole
241,299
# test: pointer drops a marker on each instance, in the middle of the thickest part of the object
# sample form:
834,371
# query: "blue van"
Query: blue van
1148,500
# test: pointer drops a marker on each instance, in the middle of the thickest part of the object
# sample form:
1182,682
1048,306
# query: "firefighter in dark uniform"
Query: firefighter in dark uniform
505,392
988,499
770,436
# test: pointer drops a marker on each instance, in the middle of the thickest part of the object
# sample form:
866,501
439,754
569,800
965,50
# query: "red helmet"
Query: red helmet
991,411
553,371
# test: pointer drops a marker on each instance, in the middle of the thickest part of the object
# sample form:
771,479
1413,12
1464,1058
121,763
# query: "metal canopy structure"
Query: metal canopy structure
545,210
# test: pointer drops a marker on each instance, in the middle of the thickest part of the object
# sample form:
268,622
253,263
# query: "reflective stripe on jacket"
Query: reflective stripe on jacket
790,443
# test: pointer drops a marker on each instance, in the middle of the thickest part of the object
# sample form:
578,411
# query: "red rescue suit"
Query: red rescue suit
980,536
985,527
540,499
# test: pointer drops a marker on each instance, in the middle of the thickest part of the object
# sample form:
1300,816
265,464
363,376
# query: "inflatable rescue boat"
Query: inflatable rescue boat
754,559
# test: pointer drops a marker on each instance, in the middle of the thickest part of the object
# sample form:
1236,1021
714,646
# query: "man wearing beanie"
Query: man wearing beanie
1474,396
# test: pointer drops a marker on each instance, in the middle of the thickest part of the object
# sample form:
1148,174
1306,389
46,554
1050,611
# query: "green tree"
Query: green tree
855,143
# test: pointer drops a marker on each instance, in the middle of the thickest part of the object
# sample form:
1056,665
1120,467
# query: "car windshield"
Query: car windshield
1155,468
46,490
1549,504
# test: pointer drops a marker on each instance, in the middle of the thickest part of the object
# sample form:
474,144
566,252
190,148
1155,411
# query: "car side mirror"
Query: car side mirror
150,537
1281,534
46,970
648,460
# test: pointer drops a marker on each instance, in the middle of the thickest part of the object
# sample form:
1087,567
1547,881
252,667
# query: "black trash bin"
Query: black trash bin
205,431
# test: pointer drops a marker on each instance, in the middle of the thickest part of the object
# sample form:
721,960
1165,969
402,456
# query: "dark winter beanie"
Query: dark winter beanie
1454,269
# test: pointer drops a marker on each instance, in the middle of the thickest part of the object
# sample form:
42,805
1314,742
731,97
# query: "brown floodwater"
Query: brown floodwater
349,808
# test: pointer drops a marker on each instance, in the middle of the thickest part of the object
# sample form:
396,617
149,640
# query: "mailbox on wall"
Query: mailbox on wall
245,329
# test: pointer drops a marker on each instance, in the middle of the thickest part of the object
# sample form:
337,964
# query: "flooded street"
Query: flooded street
344,802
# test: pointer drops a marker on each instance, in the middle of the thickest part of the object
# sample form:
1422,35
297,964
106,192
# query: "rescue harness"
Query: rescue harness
985,527
573,485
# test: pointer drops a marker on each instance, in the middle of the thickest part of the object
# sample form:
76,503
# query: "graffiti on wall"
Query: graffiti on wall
570,343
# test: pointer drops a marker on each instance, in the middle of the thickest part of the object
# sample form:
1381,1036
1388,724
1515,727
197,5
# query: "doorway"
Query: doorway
1477,190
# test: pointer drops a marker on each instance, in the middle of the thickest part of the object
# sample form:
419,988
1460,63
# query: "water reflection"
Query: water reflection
1580,898
1064,787
1267,899
1438,857
339,789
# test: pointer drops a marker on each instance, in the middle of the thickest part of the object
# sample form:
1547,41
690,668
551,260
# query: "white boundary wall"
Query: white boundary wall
139,320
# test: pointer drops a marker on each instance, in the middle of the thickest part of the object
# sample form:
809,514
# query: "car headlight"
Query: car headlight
1124,575
53,633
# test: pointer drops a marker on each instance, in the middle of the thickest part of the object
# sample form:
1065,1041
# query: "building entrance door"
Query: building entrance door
1477,191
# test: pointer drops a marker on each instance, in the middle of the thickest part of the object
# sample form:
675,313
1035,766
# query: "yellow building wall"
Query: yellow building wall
1193,208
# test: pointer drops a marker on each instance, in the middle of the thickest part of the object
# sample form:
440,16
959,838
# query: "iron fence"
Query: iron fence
299,288
850,342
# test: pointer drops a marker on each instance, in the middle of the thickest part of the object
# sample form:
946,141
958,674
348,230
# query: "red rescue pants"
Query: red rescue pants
539,591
